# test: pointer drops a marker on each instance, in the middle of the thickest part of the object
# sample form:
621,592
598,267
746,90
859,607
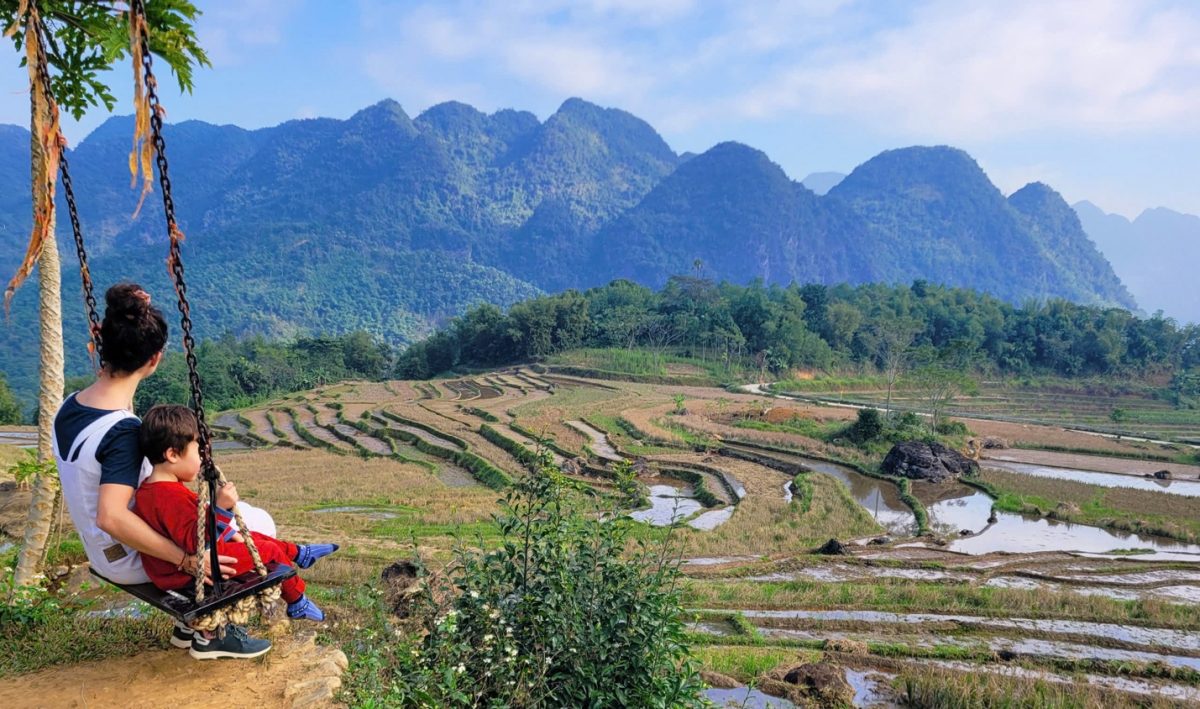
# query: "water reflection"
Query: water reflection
1187,488
667,505
1022,533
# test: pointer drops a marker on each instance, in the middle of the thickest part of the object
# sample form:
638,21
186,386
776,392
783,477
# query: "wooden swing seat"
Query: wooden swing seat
182,605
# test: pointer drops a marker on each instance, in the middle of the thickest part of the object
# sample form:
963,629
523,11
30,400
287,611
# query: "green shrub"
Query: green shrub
554,615
952,428
868,427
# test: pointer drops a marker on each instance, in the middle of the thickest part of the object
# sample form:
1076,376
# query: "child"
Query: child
169,439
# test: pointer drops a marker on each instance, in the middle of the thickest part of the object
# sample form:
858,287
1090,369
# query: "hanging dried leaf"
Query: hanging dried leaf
16,25
142,153
50,140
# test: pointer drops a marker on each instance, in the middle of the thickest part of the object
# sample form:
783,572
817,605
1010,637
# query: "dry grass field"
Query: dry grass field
393,470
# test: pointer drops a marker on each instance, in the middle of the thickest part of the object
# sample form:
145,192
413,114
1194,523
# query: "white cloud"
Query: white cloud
944,69
231,32
981,70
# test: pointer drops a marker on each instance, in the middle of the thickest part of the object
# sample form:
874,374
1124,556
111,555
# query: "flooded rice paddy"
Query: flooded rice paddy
1174,486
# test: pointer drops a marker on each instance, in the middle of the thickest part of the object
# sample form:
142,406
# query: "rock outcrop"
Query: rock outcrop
932,462
823,682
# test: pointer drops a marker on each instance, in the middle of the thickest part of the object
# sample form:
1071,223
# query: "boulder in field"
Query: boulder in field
932,462
716,680
833,548
823,682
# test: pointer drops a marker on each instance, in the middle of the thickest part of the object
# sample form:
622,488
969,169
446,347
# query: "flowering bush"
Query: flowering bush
25,605
557,615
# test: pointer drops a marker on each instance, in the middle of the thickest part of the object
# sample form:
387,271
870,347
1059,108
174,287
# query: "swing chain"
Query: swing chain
69,192
175,259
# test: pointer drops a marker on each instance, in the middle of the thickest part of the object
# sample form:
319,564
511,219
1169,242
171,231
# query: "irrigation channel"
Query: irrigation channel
955,508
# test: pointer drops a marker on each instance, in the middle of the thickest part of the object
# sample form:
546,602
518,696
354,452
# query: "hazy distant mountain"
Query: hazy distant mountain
822,182
1156,256
932,213
394,224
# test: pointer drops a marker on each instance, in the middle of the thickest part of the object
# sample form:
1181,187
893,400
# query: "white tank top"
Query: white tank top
79,474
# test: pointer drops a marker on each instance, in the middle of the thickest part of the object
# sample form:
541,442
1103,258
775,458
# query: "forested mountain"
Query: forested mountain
1155,255
393,224
932,213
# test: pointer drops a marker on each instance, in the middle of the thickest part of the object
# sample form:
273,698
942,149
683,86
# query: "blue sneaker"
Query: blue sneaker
309,553
305,609
234,642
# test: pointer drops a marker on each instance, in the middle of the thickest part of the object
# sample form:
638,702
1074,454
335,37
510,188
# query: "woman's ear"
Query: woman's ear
154,360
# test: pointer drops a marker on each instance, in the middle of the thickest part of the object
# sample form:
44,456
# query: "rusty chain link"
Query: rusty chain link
175,259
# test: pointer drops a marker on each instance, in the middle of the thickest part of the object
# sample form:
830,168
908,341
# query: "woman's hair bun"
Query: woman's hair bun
133,330
127,300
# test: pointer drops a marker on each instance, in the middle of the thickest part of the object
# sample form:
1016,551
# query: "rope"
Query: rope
149,122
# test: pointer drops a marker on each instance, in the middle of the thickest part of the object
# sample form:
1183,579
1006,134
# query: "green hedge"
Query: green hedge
308,437
700,490
450,438
485,415
480,469
802,492
514,448
545,440
250,431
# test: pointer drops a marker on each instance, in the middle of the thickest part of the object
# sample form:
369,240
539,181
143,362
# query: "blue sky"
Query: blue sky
1098,98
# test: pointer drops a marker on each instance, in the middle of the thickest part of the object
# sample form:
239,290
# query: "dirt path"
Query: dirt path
172,678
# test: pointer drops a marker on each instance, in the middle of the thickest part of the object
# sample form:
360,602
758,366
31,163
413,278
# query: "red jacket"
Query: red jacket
170,509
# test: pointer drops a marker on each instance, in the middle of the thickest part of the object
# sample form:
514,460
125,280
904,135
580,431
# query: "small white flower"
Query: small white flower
487,660
474,594
488,638
460,669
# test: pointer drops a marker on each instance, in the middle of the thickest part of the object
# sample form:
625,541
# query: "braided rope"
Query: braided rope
148,143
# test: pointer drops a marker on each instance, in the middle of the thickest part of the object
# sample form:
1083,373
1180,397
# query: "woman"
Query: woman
100,465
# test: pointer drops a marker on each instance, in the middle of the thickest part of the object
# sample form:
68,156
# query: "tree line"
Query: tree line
777,329
237,373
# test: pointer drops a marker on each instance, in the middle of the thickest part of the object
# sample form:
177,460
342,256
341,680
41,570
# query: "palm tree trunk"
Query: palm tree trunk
45,487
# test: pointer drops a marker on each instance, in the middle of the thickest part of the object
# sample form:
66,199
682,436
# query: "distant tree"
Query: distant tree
894,340
10,408
940,385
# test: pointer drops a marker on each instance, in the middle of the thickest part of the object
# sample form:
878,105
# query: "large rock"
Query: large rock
932,462
823,682
833,548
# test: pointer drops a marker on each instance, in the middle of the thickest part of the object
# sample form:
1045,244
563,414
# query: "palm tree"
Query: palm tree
81,39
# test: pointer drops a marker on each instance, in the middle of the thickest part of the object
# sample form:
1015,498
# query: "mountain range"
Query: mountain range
393,223
1155,255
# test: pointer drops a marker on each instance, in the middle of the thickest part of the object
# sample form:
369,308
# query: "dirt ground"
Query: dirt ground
172,678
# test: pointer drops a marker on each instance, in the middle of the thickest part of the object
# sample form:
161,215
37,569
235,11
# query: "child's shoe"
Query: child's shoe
309,553
305,609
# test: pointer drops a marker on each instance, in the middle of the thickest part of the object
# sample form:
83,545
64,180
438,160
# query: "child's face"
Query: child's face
186,465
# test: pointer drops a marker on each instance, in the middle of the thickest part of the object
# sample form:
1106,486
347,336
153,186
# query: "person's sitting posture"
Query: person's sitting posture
169,439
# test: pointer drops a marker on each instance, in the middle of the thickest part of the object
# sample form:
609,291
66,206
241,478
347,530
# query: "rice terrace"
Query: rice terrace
742,354
1064,572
